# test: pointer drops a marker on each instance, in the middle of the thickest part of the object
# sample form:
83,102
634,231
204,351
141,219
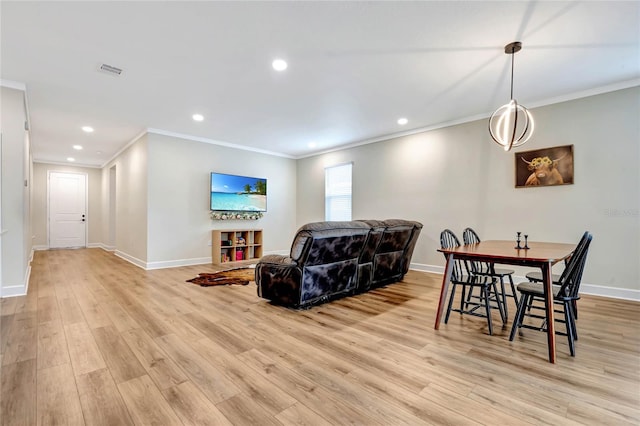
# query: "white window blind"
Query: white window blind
337,192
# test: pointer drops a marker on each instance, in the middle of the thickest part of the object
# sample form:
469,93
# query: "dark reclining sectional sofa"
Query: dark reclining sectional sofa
329,260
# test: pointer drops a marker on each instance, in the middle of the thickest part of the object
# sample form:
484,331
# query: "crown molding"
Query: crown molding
124,148
549,101
216,142
13,85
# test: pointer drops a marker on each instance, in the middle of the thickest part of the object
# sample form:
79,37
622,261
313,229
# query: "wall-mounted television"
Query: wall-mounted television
238,193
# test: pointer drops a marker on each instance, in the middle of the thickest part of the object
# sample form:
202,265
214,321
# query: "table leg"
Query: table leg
448,269
548,304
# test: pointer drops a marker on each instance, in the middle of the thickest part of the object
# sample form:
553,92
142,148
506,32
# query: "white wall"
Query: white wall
131,202
16,207
94,202
457,177
179,221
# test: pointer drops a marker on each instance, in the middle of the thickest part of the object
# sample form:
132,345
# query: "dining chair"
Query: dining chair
461,276
469,236
536,276
565,293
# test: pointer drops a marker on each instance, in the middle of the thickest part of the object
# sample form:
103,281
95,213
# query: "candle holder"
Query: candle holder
526,247
518,241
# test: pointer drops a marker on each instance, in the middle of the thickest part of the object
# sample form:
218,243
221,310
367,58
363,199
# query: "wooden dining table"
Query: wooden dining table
539,255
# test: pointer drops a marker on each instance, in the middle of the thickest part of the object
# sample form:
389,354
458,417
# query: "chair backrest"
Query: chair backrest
449,240
469,236
572,275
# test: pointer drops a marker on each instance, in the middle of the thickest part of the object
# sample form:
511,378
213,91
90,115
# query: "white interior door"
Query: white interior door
67,210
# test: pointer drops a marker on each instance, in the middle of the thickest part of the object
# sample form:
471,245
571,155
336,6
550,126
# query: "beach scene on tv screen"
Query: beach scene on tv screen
238,193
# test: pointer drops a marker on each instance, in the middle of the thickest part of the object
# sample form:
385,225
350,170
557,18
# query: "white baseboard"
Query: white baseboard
613,292
20,289
590,289
147,266
14,291
139,263
101,246
422,267
178,263
90,245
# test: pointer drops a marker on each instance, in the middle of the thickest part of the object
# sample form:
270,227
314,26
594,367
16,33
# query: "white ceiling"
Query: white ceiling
354,67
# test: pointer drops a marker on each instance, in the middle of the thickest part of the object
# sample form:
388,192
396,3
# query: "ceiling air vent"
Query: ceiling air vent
110,70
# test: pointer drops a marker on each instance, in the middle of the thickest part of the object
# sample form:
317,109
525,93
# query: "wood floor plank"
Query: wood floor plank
185,354
252,384
100,399
233,341
358,396
118,316
192,407
58,400
48,309
299,414
18,389
202,373
160,367
93,313
426,409
146,404
52,345
83,350
70,311
22,343
8,306
5,326
121,361
243,410
323,402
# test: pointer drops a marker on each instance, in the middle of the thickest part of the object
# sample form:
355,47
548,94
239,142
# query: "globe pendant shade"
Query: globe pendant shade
511,125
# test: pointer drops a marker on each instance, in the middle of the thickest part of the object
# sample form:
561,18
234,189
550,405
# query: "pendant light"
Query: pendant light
511,125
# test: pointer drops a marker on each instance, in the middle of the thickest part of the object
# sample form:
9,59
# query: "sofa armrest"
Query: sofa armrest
278,279
277,259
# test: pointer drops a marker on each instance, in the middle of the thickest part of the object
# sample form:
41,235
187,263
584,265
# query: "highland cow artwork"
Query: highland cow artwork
544,167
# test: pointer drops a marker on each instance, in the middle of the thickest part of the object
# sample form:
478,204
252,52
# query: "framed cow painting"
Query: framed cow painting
544,167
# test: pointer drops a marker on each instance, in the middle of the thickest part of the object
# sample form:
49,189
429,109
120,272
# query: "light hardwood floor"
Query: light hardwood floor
100,341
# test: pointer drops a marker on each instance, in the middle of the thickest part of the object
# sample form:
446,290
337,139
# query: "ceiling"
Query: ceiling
354,69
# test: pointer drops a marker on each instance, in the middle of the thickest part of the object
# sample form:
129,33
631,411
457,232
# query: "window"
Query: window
337,192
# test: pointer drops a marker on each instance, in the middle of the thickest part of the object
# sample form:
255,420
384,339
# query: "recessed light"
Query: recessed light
71,159
402,121
87,129
197,117
279,64
311,144
77,147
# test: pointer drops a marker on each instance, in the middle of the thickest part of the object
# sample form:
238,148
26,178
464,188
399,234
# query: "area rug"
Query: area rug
237,276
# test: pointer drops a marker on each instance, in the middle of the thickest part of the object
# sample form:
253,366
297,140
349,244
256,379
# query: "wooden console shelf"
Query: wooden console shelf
235,245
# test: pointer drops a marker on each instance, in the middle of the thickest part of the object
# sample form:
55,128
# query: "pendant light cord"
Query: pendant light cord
512,55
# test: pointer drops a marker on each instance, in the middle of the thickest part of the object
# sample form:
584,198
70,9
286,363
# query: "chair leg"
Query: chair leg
499,301
485,292
568,317
573,320
453,293
514,292
463,297
517,321
504,313
574,305
468,298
